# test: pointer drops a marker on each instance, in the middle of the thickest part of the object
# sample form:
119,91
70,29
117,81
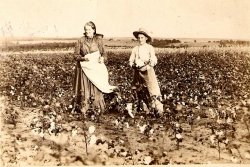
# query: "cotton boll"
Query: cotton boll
91,129
142,128
74,132
147,160
129,108
126,124
92,140
178,136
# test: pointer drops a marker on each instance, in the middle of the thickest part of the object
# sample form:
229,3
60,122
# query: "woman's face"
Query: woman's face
89,31
142,39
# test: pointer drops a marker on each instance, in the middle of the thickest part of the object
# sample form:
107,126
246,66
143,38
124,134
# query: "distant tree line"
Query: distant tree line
162,43
40,46
224,43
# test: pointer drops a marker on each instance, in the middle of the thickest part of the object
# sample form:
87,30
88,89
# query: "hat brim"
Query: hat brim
136,33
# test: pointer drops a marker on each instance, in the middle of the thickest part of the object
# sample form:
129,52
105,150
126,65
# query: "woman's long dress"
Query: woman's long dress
91,77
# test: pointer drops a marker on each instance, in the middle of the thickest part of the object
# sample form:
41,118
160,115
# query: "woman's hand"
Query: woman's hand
85,59
80,58
152,63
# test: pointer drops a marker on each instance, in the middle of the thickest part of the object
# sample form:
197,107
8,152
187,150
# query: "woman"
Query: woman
91,75
142,60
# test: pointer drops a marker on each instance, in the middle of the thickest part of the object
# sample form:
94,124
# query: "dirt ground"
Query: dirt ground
21,146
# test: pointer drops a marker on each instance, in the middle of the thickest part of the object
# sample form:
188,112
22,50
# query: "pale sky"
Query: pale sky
119,18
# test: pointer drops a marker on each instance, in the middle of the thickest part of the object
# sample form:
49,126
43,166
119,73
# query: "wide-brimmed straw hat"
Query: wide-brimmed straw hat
144,32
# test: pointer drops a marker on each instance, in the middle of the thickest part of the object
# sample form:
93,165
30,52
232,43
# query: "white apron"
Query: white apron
97,72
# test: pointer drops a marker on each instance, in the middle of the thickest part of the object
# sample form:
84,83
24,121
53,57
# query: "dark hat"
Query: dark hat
144,32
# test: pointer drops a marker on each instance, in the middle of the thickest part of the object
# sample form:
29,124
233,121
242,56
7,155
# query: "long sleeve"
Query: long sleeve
132,58
77,52
77,47
102,49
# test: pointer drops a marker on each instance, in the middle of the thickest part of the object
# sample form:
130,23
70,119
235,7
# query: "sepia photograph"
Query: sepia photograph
124,82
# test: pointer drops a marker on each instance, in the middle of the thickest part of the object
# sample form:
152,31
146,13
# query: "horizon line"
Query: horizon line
109,37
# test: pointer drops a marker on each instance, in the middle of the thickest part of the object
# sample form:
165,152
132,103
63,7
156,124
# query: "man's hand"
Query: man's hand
101,60
134,66
144,68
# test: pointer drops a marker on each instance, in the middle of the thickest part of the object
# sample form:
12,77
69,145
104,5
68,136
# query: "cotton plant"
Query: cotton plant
93,113
149,131
145,128
74,132
246,120
130,109
89,137
47,122
142,128
121,123
223,133
190,118
178,134
216,139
